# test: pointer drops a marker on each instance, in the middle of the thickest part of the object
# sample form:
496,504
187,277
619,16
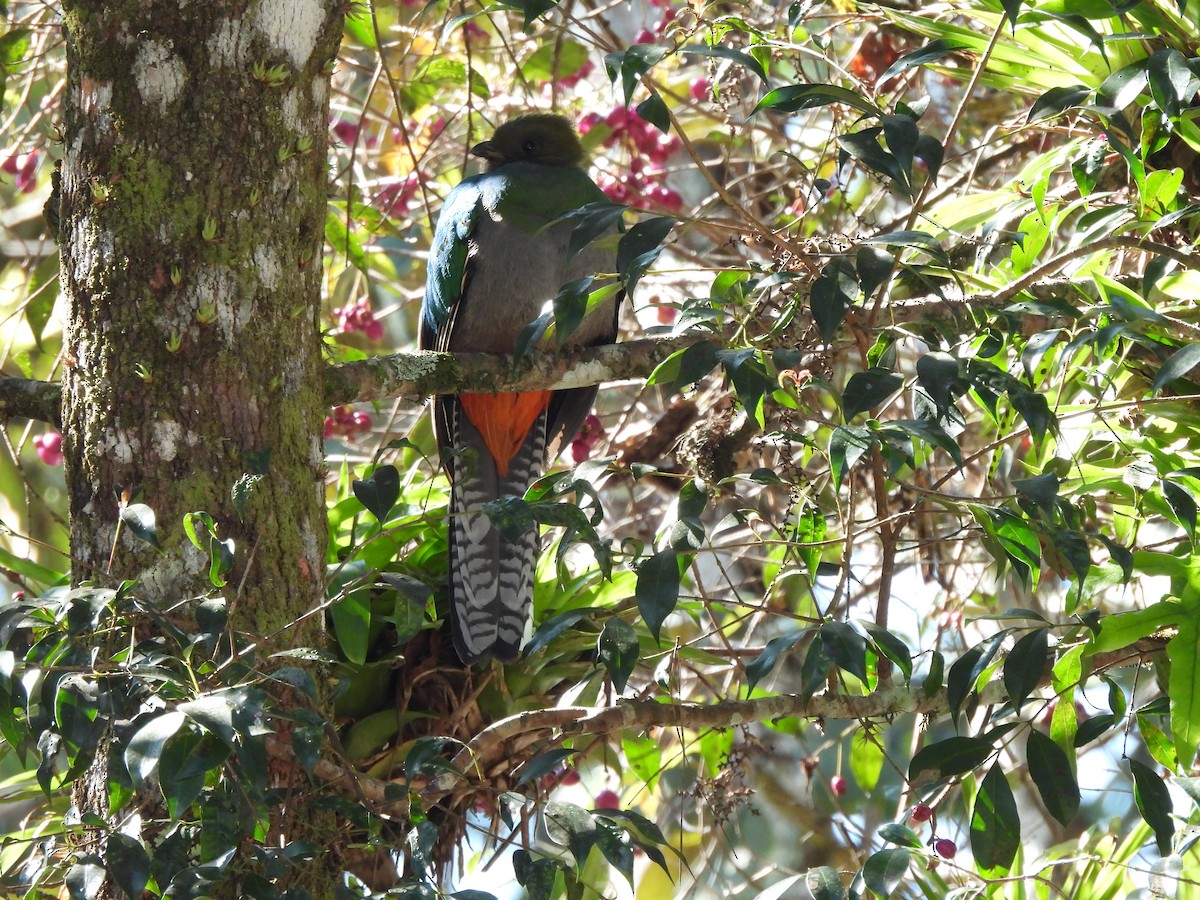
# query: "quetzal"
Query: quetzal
494,265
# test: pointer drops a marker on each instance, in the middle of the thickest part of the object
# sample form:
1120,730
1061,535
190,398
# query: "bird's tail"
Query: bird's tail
491,577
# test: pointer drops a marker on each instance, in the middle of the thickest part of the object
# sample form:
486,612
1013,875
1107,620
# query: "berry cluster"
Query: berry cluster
24,166
648,148
359,316
394,198
49,448
346,422
589,436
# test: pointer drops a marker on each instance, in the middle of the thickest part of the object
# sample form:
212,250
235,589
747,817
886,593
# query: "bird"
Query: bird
500,254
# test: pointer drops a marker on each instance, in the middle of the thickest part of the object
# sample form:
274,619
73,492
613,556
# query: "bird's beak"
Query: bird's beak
486,150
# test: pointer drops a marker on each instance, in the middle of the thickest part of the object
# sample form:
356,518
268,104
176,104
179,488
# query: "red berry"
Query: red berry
49,448
700,89
645,36
838,785
945,848
607,800
921,813
569,777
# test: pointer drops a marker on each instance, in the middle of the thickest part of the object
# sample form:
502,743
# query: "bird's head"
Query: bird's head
543,138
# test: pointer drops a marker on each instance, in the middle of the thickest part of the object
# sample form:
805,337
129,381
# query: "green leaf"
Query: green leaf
544,764
1123,86
1051,772
1183,650
884,871
1177,365
887,644
13,46
351,617
831,295
873,267
796,97
1058,100
1025,665
572,825
378,492
654,111
629,65
145,747
931,52
896,833
745,60
139,519
617,648
1154,803
868,390
846,646
759,667
824,883
847,445
940,376
535,875
640,247
995,826
657,591
686,366
128,863
949,757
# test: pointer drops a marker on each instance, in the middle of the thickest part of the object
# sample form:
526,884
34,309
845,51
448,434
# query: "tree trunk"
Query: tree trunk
191,208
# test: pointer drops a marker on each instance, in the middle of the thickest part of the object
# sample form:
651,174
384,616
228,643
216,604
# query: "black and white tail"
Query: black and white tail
491,578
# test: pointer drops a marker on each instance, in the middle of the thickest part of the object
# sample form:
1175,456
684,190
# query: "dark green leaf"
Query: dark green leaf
931,52
654,111
796,97
1090,729
902,134
610,838
1041,489
1154,803
630,64
1177,365
85,879
617,648
351,618
745,60
13,46
995,825
873,266
572,825
1122,86
931,151
544,764
864,146
1182,504
896,833
1025,665
939,375
815,670
535,875
884,871
379,491
657,588
846,647
686,366
554,626
887,644
937,669
139,519
1051,772
868,390
639,248
949,757
146,746
759,667
831,295
1058,100
824,883
128,863
847,445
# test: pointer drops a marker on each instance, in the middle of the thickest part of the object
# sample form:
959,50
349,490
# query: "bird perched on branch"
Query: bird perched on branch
501,253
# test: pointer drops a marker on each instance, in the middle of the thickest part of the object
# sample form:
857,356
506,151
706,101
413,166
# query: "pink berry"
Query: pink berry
645,36
945,848
607,800
49,448
569,777
921,813
700,89
361,420
666,315
590,121
330,429
838,785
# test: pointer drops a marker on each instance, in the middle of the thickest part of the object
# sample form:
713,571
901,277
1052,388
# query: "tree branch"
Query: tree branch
26,398
424,373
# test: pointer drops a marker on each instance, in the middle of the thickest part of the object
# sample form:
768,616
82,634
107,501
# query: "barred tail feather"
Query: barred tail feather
491,578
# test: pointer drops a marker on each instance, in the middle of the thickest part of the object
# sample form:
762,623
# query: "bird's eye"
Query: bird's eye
529,147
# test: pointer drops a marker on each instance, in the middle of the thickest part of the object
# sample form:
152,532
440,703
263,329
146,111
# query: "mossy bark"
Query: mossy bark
191,207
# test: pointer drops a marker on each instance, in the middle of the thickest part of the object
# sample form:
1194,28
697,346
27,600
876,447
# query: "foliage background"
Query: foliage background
935,443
